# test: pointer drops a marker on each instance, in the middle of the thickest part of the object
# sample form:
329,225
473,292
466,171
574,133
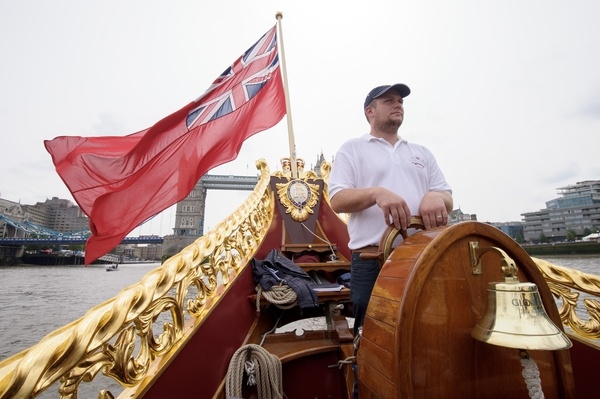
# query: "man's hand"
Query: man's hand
394,207
434,208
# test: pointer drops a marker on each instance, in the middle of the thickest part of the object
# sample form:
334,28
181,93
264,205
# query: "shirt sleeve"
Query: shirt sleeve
343,173
437,180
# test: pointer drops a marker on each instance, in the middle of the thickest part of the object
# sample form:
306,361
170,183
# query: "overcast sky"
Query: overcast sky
505,93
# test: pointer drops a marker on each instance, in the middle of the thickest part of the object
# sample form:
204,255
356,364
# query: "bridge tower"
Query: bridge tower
190,212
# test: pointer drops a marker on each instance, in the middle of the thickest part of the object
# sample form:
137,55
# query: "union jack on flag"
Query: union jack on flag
238,83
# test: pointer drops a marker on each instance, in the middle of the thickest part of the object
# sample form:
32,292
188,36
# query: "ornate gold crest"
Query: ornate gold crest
298,197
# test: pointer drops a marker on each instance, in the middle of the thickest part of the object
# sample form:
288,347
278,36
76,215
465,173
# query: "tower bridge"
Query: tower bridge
28,233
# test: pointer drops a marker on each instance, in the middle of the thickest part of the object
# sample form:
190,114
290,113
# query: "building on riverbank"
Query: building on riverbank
577,209
58,214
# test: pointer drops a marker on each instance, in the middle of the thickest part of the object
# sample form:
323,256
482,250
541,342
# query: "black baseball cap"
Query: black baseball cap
400,88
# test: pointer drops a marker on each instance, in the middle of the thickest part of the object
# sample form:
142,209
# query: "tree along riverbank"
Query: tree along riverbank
563,248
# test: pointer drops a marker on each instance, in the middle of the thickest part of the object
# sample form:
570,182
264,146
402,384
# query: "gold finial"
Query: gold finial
278,15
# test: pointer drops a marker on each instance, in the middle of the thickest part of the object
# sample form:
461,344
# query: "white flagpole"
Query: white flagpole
291,140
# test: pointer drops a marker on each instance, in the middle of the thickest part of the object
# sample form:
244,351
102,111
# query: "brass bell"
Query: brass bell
515,318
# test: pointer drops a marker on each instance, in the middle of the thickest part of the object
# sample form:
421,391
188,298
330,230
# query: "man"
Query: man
380,178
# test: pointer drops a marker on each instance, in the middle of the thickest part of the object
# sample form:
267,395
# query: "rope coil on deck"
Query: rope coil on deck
283,296
262,368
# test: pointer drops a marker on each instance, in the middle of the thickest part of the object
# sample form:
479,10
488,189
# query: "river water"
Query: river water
36,300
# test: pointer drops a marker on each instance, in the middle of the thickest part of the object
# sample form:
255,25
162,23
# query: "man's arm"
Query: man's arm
351,200
394,207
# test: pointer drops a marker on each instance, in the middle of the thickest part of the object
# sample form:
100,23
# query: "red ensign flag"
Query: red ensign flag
119,182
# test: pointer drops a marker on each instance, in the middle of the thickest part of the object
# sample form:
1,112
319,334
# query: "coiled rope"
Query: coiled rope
262,368
283,296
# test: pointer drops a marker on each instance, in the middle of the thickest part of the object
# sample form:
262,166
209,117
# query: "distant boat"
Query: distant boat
113,268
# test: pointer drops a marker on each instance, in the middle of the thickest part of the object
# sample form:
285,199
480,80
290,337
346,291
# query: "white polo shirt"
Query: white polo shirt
409,170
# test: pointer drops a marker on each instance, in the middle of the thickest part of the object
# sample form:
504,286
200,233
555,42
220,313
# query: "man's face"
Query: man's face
389,108
386,112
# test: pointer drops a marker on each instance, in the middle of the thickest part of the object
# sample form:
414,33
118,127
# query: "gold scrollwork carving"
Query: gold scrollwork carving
326,171
562,282
105,339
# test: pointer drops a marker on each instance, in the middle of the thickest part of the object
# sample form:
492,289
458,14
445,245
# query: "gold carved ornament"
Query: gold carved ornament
562,281
122,337
298,197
